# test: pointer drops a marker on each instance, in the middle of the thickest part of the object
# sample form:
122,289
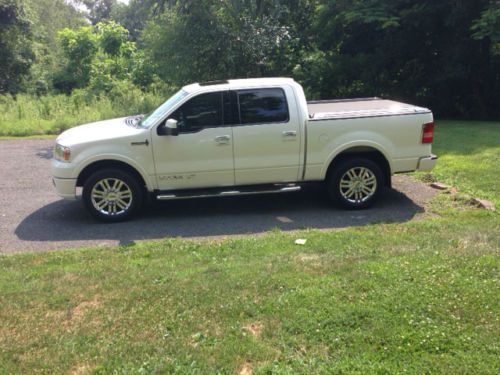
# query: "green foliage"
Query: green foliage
413,51
440,54
79,47
112,38
98,57
99,10
51,114
488,26
16,47
217,40
49,17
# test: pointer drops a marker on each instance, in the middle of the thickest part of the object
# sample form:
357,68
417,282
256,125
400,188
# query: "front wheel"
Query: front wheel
355,183
112,195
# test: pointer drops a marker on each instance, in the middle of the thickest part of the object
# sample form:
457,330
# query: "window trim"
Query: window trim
262,123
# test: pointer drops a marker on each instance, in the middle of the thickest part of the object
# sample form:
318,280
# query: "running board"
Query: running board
226,193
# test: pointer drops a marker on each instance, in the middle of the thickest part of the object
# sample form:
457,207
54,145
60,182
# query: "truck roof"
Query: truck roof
240,83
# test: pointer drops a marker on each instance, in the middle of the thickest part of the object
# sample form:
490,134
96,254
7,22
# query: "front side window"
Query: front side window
263,106
202,111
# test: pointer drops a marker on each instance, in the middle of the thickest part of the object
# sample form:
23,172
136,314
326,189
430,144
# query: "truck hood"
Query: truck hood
98,131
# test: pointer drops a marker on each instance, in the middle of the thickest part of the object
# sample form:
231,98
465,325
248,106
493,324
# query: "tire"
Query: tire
112,195
355,183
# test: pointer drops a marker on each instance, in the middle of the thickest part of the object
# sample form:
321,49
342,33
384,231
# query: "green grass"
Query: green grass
414,297
469,157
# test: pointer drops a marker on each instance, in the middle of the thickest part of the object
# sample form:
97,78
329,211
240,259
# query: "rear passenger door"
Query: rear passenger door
267,136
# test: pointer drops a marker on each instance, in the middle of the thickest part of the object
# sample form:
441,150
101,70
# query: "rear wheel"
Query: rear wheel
355,183
112,195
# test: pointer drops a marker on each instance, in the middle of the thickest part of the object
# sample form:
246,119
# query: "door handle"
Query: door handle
222,139
289,133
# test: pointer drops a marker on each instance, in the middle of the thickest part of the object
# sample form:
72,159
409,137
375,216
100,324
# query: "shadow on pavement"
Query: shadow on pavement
67,221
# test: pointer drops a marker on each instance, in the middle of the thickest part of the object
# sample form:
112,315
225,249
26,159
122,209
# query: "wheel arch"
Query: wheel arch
370,152
95,166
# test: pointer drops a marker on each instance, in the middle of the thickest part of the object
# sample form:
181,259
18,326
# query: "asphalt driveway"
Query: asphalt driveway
34,218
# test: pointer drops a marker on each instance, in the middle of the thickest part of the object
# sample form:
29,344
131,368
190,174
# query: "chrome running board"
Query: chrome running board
226,193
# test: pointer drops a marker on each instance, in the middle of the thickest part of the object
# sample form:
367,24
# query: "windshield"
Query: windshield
159,112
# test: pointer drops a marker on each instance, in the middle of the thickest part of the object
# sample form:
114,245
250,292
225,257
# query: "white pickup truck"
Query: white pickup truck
242,136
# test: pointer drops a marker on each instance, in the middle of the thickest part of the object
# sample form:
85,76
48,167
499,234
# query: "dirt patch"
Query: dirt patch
247,369
83,307
418,191
255,329
306,258
82,370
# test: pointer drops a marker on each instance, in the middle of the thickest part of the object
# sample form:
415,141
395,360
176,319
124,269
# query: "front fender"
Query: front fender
150,183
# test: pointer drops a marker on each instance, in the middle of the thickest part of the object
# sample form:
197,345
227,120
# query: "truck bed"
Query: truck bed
355,108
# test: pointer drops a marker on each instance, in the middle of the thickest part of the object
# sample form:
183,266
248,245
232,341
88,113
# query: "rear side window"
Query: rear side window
263,106
203,111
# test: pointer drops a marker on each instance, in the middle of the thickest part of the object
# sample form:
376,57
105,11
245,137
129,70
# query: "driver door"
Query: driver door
201,155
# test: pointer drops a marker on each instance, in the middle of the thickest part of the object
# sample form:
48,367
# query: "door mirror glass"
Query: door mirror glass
168,128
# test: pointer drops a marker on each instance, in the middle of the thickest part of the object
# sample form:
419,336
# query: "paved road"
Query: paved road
33,218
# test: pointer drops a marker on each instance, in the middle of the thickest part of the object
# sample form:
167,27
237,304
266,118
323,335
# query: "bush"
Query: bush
51,114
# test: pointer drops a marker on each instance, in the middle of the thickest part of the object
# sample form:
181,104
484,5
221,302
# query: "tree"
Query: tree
16,54
98,10
211,39
49,16
96,57
413,51
78,48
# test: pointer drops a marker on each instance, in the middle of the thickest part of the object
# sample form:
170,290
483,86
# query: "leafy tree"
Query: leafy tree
99,56
212,39
488,27
112,37
134,15
16,49
98,10
413,51
78,47
49,16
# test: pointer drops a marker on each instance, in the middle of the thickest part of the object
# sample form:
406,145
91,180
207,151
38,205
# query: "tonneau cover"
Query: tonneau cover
354,108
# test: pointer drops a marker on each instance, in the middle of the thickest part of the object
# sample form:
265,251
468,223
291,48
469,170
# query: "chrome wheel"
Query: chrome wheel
358,184
111,196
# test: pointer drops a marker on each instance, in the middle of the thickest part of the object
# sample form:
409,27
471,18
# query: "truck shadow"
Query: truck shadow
67,221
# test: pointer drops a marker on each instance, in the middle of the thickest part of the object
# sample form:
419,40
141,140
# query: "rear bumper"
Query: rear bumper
427,163
65,187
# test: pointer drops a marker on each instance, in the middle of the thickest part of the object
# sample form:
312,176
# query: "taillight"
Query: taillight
428,132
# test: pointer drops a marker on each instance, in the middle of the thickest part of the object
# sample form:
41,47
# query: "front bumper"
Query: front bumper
427,163
65,187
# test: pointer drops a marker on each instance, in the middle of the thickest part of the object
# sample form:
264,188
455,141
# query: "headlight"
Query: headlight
62,153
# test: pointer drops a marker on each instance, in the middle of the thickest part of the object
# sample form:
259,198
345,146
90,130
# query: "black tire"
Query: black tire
361,179
120,202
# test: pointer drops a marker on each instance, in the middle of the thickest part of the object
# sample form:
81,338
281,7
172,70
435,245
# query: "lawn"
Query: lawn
469,157
414,297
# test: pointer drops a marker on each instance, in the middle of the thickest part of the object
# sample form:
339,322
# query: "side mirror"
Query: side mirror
168,128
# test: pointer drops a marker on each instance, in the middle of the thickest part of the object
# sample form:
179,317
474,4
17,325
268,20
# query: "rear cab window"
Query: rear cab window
262,106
